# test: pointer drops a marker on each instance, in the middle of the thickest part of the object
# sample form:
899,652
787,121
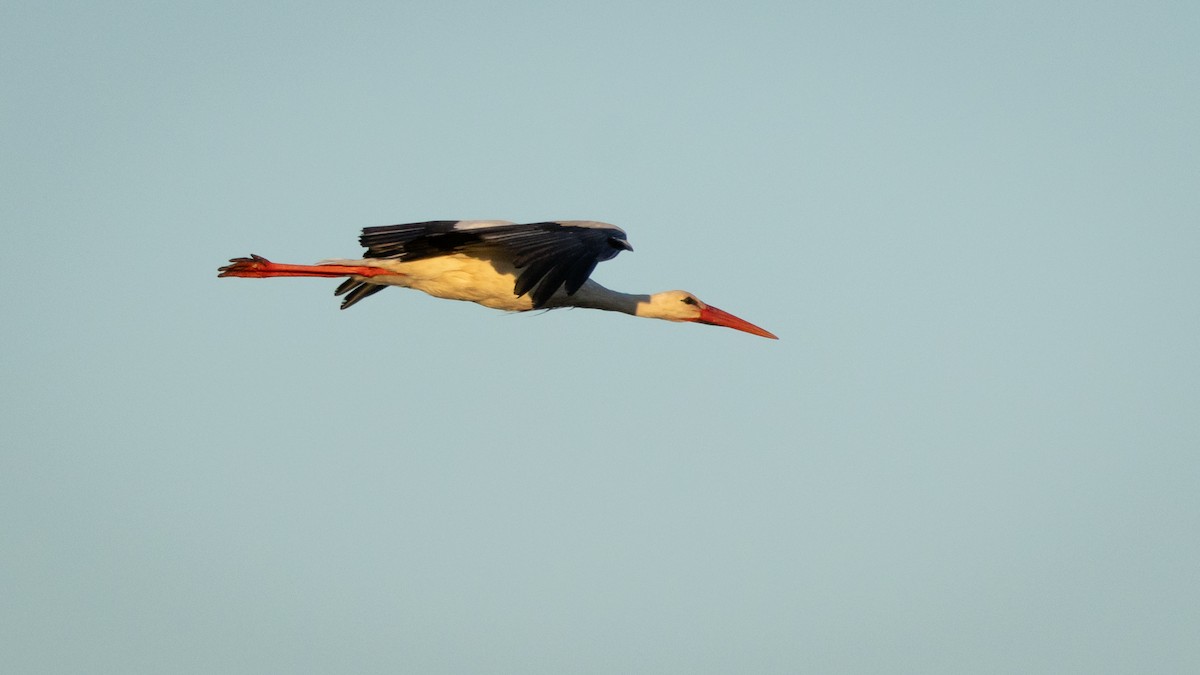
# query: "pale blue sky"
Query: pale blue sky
974,449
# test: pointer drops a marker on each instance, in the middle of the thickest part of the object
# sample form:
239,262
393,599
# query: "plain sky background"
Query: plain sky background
975,449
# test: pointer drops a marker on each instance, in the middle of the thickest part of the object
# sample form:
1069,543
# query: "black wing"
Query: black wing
549,255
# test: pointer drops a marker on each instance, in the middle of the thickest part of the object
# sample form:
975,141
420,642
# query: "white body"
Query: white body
489,282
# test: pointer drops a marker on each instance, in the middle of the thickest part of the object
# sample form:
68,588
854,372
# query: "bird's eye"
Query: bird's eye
688,300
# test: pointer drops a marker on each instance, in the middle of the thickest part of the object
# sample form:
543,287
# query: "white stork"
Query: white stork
498,264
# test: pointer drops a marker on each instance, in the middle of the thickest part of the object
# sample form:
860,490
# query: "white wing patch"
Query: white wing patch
480,224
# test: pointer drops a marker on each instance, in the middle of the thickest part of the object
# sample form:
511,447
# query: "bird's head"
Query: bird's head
683,306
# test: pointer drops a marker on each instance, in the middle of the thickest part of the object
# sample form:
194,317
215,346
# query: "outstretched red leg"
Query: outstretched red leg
258,267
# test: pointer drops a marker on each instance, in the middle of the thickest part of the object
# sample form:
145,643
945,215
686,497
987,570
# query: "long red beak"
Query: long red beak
719,317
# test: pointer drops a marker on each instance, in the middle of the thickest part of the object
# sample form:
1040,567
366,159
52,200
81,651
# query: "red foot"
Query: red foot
258,267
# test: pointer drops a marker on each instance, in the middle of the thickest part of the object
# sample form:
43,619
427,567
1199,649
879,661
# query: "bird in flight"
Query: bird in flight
498,264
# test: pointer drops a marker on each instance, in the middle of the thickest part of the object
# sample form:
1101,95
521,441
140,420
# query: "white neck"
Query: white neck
594,296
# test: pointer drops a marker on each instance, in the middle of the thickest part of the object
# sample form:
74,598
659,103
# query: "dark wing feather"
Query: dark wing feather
413,241
549,255
356,290
579,273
